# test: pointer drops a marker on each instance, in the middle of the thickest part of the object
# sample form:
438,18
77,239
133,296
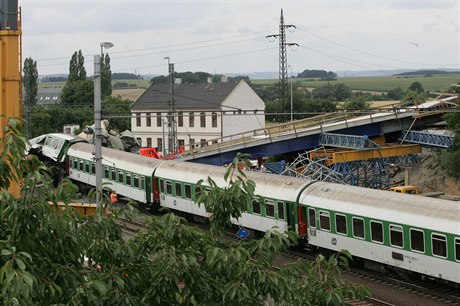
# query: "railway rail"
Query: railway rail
427,290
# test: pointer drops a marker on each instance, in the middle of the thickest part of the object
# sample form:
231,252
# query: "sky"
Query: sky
218,36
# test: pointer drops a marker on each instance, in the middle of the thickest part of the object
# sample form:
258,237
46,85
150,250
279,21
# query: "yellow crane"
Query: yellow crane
10,68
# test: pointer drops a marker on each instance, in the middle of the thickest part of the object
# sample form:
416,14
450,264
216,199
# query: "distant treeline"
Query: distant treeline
125,76
53,79
427,72
323,74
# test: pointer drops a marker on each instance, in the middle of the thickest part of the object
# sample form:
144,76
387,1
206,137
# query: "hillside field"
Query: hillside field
380,84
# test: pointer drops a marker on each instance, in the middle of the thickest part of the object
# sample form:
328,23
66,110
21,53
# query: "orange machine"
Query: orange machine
10,68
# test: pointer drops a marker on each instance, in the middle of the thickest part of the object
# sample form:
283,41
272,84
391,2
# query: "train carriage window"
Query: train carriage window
341,224
75,163
87,167
439,244
169,187
162,186
142,184
358,228
81,165
106,172
269,208
135,181
376,231
457,249
113,175
128,179
178,189
417,240
93,168
312,217
255,207
120,176
280,210
396,236
188,191
324,220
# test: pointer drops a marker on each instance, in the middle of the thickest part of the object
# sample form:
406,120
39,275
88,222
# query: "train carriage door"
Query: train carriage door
302,213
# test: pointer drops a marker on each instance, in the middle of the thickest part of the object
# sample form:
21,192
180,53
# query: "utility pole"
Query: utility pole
283,79
172,129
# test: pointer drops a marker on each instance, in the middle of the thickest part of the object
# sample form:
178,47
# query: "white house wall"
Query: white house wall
251,117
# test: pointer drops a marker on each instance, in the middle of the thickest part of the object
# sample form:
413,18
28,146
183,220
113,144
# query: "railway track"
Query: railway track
427,290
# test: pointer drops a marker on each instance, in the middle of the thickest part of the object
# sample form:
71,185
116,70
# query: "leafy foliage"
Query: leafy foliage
50,256
77,71
78,93
30,81
106,77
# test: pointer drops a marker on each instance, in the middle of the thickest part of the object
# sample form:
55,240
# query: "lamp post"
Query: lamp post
97,125
291,95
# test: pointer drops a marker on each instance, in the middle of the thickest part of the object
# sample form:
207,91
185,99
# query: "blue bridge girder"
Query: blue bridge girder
428,139
347,141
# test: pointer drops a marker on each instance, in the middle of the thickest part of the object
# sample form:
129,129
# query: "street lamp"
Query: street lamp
97,125
290,66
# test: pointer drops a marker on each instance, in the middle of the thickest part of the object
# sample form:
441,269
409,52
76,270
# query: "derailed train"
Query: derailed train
411,233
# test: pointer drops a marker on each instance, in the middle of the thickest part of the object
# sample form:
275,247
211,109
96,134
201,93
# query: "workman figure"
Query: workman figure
113,198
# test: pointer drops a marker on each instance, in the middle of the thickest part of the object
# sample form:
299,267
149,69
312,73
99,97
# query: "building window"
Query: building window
255,207
376,231
417,240
138,119
180,142
202,119
358,228
158,119
149,119
341,224
214,119
280,210
191,119
311,217
192,143
160,144
324,220
188,191
269,209
139,140
149,142
439,244
457,249
180,119
396,236
178,189
203,143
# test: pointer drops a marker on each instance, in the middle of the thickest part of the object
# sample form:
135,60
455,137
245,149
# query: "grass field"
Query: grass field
381,84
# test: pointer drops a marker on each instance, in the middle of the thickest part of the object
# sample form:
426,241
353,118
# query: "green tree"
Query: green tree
50,256
449,159
30,81
106,77
77,71
356,103
396,93
78,93
117,111
417,87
